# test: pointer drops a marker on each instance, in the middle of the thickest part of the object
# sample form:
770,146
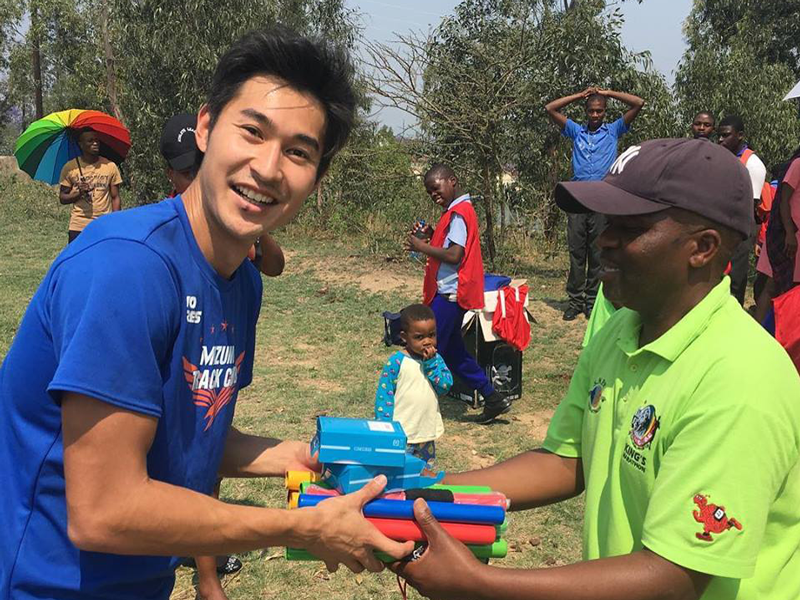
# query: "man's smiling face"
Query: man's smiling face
261,158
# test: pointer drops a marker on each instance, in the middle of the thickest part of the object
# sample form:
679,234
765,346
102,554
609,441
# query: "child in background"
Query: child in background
412,381
453,281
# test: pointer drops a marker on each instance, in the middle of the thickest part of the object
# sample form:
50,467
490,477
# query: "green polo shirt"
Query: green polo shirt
690,448
601,313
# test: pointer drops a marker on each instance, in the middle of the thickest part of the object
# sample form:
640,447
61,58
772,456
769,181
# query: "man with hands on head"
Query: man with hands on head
594,148
689,465
119,389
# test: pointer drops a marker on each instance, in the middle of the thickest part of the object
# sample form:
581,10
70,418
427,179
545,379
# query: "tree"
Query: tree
775,22
165,53
735,68
479,82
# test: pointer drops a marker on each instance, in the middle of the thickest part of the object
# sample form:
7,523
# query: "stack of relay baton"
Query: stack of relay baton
354,451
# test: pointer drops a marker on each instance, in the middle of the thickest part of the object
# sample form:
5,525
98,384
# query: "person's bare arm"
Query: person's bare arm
70,195
448,571
790,240
554,108
113,506
634,102
116,200
272,259
248,455
451,255
533,478
208,584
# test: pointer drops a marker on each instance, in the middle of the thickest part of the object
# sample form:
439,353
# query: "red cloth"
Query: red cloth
787,323
509,320
470,272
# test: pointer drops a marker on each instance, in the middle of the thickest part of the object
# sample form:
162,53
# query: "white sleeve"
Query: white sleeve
457,233
758,174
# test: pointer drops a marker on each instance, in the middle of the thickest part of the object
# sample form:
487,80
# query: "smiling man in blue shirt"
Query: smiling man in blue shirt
594,150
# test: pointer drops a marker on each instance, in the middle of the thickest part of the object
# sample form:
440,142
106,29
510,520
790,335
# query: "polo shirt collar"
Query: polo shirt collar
459,200
585,127
670,345
741,150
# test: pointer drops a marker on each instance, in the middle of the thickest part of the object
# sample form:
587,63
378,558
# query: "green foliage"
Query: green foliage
727,70
167,51
72,75
776,26
487,73
371,191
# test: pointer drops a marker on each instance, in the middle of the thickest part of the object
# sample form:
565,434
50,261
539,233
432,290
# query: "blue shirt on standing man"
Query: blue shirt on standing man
593,152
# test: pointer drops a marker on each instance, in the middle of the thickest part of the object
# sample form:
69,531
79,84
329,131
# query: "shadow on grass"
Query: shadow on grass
560,305
459,411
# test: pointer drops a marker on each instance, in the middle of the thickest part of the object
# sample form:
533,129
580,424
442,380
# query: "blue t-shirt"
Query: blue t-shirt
132,314
593,152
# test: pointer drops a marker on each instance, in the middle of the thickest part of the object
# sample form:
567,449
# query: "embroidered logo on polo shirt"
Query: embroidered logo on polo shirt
644,426
623,159
713,518
596,397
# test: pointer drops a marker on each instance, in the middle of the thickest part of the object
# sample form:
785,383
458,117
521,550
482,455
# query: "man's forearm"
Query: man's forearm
534,478
251,456
69,197
450,255
560,103
629,99
641,575
786,210
162,519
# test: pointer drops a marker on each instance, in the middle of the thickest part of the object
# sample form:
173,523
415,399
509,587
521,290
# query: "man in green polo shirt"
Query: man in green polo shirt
689,463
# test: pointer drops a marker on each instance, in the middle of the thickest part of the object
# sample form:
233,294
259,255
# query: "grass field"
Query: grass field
319,351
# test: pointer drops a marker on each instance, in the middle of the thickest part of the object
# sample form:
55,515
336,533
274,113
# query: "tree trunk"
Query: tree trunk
552,218
111,72
36,60
489,183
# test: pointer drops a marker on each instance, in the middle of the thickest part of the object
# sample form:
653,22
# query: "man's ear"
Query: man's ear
203,129
707,244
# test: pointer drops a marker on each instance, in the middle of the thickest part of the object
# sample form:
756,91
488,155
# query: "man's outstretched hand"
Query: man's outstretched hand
447,570
344,536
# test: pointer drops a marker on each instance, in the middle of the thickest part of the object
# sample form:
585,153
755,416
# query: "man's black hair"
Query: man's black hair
734,121
310,66
707,113
439,171
415,313
600,97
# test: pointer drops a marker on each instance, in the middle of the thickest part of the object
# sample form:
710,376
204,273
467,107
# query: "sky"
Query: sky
654,25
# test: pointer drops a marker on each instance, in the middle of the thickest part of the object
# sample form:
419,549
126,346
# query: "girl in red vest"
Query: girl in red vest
454,280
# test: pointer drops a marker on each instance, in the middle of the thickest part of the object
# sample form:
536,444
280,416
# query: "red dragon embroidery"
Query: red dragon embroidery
213,400
713,518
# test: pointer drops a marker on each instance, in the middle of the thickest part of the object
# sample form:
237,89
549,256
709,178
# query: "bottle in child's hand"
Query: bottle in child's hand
419,232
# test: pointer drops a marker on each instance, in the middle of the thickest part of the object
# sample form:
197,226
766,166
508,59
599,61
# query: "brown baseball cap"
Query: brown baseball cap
694,175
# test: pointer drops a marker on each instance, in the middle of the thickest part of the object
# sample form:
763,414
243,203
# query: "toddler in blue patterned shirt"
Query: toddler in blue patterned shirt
412,381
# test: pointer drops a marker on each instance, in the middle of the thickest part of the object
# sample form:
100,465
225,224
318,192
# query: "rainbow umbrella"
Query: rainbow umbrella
48,144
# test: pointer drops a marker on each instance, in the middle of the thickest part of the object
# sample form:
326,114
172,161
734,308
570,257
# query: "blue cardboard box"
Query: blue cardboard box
351,478
359,442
